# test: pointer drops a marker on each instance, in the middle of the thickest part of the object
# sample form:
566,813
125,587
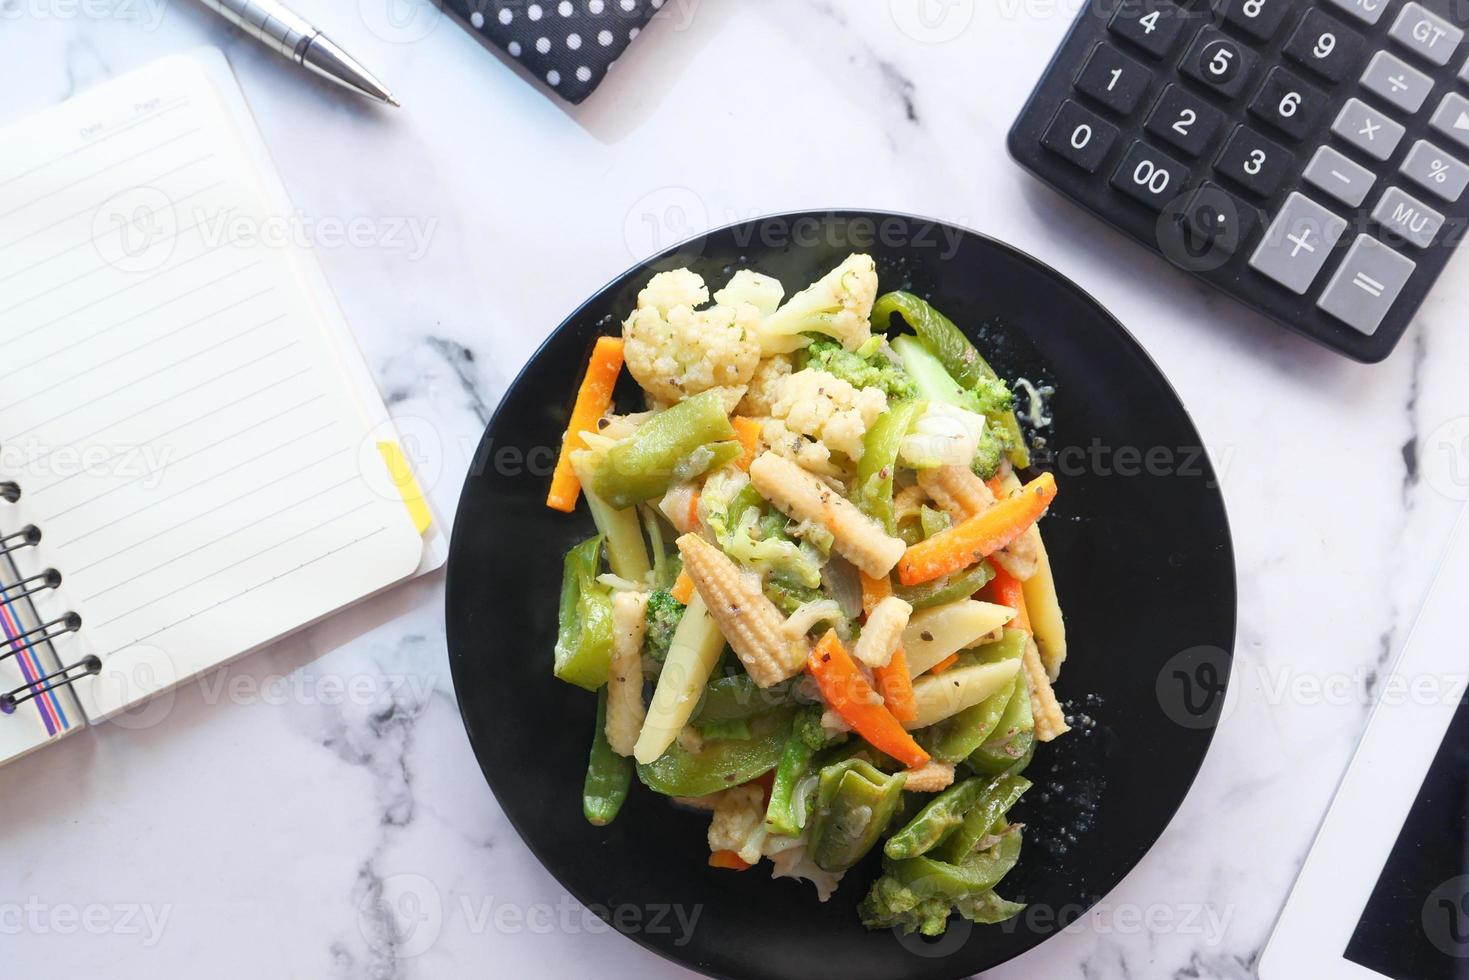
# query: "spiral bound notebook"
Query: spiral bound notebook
194,459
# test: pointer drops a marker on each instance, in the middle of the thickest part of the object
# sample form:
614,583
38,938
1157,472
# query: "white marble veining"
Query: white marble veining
315,811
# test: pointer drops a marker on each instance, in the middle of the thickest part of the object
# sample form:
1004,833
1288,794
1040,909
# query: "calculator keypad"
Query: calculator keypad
1309,156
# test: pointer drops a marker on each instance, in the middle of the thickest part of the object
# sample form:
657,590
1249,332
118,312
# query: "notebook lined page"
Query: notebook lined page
197,463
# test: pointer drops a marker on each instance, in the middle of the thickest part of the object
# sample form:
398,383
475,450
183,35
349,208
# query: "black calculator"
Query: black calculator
1308,158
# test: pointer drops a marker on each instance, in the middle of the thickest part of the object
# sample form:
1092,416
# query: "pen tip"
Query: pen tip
394,102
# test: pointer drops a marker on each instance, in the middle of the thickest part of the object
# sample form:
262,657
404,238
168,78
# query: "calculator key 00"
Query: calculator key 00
1308,157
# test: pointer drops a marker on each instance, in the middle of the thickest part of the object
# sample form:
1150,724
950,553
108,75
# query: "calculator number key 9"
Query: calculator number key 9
1325,46
1220,62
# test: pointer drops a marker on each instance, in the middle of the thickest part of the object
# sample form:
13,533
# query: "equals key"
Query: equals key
1338,176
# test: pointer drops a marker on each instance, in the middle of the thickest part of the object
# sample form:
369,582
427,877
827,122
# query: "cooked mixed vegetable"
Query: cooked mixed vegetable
818,605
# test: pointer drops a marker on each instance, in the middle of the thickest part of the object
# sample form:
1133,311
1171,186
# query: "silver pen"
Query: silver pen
278,27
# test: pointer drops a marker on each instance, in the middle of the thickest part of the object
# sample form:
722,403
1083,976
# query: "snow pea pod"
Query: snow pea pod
1000,794
942,814
854,802
928,877
1013,739
874,488
955,738
950,588
584,621
719,763
738,698
987,908
959,357
609,775
678,443
789,799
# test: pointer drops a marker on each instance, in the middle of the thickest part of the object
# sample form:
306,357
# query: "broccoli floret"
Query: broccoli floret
664,613
807,727
866,367
788,597
993,445
890,903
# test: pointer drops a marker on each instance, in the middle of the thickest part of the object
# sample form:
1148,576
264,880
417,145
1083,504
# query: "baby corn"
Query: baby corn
751,624
1050,720
883,631
803,497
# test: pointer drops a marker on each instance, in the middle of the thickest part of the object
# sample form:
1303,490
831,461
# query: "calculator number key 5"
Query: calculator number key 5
1151,178
1219,62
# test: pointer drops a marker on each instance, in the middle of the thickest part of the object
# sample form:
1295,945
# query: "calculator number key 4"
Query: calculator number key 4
1219,62
1149,177
1288,103
1254,162
1153,25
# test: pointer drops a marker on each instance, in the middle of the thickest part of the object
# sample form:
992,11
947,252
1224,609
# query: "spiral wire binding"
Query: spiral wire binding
29,537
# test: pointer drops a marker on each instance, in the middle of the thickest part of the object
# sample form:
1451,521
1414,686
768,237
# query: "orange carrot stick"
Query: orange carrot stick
683,588
980,536
874,590
944,664
1007,590
846,691
747,431
729,860
592,401
896,687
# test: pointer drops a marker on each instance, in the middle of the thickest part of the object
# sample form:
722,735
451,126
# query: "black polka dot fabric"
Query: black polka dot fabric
568,44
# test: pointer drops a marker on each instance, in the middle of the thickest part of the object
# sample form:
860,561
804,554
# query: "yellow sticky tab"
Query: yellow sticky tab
402,476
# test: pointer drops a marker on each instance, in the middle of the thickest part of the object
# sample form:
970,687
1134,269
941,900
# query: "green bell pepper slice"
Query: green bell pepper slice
987,908
874,488
678,443
584,622
1013,738
1000,794
959,357
609,775
738,698
942,814
955,739
719,763
854,803
950,588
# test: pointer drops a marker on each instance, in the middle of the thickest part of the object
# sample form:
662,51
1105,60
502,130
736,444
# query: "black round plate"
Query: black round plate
1141,549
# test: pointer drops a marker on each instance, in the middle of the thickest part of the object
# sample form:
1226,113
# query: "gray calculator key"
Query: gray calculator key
1367,129
1436,171
1452,118
1426,33
1297,244
1366,284
1343,179
1464,72
1367,11
1397,81
1406,216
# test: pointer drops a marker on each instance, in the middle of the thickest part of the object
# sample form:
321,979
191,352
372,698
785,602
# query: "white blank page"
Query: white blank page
203,477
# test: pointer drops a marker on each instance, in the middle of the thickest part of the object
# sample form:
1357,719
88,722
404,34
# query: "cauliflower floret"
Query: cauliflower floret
675,350
739,823
761,393
838,305
943,436
805,451
761,292
826,408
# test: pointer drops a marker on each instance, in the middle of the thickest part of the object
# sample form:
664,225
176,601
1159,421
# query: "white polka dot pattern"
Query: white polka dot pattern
554,38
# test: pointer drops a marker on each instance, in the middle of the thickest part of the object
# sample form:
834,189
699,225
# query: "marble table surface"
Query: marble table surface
315,811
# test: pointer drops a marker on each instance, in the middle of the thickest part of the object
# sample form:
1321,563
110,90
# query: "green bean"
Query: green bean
854,803
999,796
942,814
681,442
609,775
